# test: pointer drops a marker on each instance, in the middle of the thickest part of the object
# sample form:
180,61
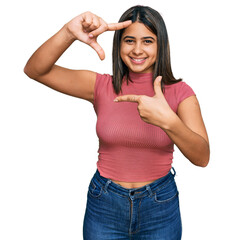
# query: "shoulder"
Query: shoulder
102,86
180,90
179,86
103,76
102,81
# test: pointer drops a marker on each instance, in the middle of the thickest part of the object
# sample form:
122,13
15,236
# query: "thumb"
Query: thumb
157,86
98,49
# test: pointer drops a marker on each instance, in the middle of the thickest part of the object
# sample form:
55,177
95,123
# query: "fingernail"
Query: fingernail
90,35
115,100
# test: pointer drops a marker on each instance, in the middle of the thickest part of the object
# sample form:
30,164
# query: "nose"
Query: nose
137,50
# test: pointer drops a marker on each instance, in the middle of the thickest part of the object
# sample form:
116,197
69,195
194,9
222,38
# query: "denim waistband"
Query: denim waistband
148,189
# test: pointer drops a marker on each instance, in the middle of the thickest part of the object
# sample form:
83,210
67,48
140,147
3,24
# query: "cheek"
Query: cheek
124,53
125,49
122,56
152,52
155,52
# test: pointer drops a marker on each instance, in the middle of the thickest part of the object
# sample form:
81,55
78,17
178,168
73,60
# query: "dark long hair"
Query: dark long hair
154,22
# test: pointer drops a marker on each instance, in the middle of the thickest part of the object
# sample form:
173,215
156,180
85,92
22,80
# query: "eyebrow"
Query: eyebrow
141,38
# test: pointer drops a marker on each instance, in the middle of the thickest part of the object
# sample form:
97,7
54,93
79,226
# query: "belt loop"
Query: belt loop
173,171
106,185
149,190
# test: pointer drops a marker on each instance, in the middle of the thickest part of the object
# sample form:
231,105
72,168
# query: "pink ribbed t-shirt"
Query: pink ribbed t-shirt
130,149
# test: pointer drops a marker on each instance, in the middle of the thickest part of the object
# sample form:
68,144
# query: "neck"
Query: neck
141,77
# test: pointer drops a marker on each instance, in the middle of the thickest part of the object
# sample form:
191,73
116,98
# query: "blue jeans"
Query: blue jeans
150,212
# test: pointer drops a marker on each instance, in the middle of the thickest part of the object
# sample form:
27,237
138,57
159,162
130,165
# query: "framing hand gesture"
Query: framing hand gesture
87,27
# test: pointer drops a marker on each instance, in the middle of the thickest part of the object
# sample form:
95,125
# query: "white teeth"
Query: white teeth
138,60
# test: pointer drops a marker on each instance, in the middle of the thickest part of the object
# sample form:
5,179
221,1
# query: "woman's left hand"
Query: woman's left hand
154,110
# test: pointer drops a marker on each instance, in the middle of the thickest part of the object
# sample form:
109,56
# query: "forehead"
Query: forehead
137,29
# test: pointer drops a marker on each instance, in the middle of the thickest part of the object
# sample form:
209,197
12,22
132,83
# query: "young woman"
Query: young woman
142,111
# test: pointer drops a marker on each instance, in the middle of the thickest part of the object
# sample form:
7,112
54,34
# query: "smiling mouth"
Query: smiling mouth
138,60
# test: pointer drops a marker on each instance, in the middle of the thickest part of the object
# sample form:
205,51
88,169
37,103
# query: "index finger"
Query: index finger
127,98
118,26
109,27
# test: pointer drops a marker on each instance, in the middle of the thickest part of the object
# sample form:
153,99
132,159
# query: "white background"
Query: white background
48,139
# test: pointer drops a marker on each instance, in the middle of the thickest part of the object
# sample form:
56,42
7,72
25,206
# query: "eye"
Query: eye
148,41
129,41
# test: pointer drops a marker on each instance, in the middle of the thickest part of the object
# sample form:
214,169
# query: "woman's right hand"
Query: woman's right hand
87,26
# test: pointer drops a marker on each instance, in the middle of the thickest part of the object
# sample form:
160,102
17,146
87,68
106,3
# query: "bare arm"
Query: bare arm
43,59
188,132
41,67
78,83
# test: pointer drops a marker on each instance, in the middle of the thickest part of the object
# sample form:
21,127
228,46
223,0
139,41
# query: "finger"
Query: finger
127,98
157,86
95,24
118,26
87,20
98,49
110,27
102,28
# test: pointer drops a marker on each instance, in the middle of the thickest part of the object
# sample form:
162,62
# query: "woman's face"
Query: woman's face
138,48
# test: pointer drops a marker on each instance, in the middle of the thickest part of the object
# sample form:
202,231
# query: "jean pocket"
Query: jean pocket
167,192
95,188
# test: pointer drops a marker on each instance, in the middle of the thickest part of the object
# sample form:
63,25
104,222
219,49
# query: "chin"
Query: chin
140,70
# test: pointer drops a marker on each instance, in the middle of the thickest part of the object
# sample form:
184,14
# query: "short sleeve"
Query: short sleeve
96,87
184,91
101,87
